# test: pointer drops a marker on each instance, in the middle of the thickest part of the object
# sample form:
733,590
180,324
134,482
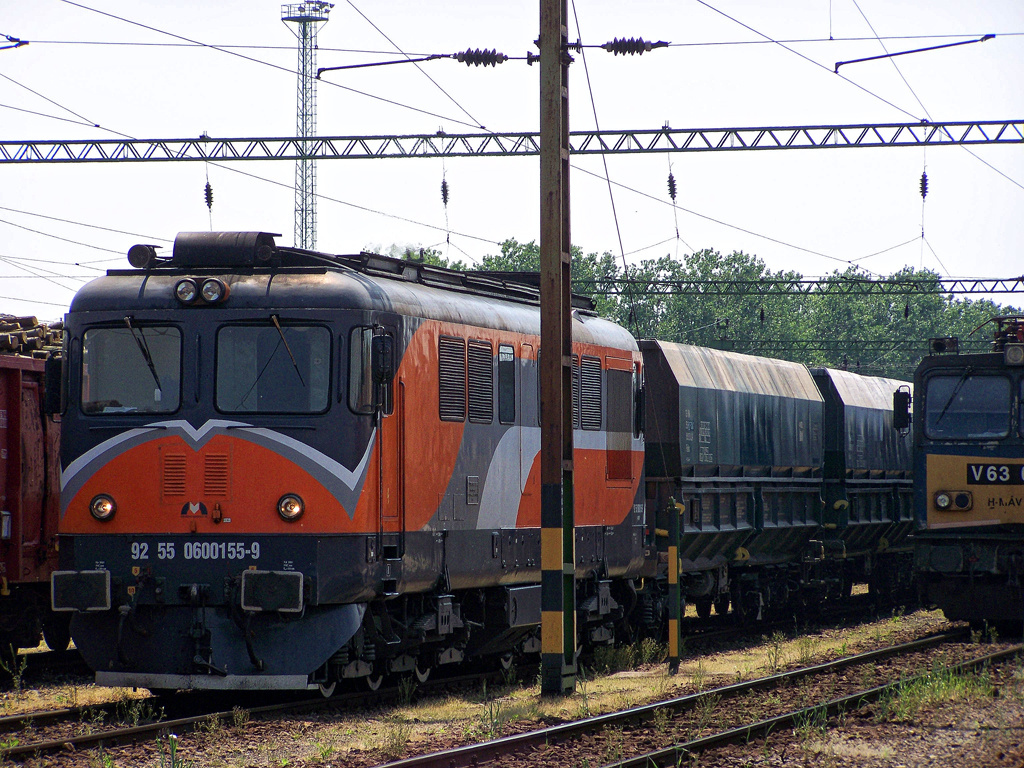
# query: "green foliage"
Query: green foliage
840,326
169,757
937,688
616,658
395,737
525,257
409,252
15,668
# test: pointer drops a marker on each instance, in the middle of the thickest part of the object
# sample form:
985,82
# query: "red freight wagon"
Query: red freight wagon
29,507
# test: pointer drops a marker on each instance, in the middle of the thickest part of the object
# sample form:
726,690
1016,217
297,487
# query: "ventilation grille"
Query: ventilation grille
215,474
590,393
452,378
174,474
481,382
575,391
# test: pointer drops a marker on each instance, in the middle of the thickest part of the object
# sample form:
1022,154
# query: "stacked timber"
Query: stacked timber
27,336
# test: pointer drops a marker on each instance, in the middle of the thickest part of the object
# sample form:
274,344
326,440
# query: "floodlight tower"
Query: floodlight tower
307,16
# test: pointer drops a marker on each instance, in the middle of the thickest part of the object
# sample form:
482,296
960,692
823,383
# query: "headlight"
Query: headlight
942,500
103,507
186,291
213,290
290,507
963,500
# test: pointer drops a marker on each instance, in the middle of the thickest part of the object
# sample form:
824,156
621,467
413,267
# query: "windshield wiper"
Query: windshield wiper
956,390
277,324
140,340
288,349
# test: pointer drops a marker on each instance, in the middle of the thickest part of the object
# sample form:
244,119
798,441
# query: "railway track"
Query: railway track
653,737
129,721
671,755
47,732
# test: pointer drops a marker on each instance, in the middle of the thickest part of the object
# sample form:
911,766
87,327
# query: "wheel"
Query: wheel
57,633
374,681
328,690
703,607
422,673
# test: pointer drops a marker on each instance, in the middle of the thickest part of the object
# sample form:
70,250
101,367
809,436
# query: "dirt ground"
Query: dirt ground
976,730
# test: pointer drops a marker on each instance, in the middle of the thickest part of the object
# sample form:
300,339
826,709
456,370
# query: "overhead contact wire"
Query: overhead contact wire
265,63
724,223
893,61
707,44
805,58
422,71
631,298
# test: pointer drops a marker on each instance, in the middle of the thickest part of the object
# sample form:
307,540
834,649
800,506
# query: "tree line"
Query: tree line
877,333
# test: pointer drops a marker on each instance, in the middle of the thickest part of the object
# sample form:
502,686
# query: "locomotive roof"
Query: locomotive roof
263,276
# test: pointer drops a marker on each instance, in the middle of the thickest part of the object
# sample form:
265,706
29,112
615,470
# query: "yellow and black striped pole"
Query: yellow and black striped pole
557,519
675,597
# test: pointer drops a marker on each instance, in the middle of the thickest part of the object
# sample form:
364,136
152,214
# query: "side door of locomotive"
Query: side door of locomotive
391,455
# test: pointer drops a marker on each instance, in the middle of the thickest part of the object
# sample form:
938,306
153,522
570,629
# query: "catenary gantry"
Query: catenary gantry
493,144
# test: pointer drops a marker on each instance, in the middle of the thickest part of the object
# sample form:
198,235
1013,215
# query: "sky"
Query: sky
138,70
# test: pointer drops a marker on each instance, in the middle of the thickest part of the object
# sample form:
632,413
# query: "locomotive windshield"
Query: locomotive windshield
131,369
273,368
967,406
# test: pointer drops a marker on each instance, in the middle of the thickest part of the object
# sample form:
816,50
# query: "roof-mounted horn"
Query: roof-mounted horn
223,249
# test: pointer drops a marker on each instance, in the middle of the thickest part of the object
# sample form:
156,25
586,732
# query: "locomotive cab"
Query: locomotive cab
969,479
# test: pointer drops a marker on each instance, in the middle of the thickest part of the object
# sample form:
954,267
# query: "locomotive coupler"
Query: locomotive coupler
200,634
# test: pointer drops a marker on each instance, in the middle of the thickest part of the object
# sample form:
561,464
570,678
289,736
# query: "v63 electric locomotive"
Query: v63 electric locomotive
283,469
969,479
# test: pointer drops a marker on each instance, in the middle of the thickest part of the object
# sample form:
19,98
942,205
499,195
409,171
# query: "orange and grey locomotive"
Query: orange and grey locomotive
282,470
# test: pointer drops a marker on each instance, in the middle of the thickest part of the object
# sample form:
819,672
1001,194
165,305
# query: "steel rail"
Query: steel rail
670,756
519,144
46,716
177,725
478,754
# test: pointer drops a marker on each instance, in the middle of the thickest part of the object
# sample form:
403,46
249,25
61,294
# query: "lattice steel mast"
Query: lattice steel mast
307,16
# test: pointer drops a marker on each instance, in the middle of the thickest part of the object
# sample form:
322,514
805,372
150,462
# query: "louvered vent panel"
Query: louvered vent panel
174,474
576,391
215,474
452,378
481,382
590,393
